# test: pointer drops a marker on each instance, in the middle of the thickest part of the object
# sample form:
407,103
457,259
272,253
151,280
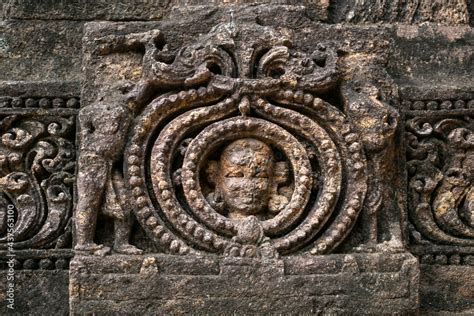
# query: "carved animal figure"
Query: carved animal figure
100,185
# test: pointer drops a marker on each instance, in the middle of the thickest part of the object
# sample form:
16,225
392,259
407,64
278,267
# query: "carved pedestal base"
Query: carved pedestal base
164,284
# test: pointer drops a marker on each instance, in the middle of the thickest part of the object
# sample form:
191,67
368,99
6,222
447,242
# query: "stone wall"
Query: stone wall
404,75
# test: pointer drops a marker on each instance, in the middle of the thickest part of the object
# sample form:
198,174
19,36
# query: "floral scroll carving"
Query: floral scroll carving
440,164
37,159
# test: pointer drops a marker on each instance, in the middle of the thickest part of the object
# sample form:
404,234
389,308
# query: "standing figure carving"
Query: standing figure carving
100,184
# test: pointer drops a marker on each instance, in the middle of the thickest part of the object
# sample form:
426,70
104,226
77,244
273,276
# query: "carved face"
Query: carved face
244,179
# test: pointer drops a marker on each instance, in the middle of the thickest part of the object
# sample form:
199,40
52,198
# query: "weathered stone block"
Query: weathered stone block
447,289
358,283
36,292
40,50
409,11
431,56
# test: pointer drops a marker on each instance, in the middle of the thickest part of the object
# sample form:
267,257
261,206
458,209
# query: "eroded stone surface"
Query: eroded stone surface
329,284
37,292
247,137
445,289
247,145
232,82
411,11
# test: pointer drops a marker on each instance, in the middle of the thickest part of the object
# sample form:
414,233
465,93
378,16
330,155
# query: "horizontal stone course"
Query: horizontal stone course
246,285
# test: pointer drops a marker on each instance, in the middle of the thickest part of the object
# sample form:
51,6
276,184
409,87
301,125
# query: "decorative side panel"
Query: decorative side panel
440,154
37,175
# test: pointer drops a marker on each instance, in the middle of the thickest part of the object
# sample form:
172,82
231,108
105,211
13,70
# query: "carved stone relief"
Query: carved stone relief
100,185
439,164
37,161
248,157
37,175
234,146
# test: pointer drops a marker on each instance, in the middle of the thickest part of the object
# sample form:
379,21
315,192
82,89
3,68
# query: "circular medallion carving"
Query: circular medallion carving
261,184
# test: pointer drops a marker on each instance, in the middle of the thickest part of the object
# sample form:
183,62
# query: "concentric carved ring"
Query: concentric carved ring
228,130
177,212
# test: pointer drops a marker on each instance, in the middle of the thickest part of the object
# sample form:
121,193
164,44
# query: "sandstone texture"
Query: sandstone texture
236,157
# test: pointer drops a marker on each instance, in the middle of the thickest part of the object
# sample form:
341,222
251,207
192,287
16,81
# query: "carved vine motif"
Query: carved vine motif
37,159
441,192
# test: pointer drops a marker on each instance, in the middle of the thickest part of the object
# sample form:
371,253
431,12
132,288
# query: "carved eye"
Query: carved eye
320,60
261,174
186,53
455,173
235,174
215,69
276,73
